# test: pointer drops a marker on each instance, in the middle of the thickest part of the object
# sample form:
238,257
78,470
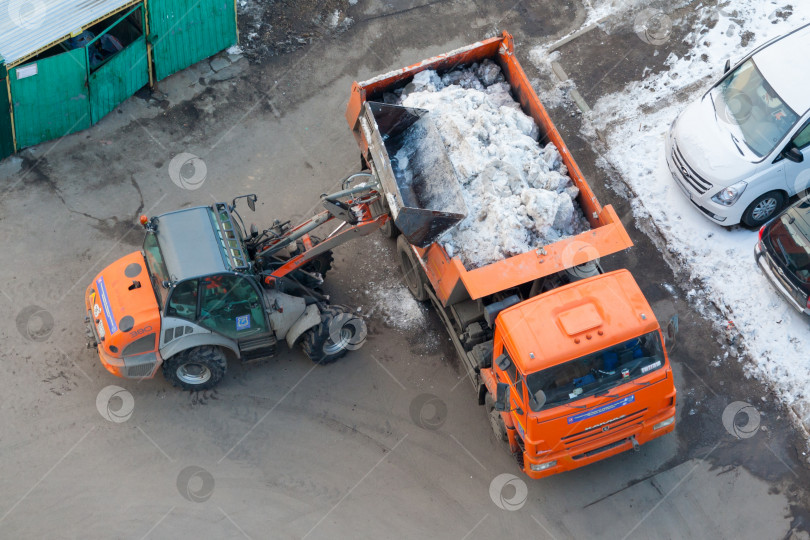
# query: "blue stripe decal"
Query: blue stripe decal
105,303
605,408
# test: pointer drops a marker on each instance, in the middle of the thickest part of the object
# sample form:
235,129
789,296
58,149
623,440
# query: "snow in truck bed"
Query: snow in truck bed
518,194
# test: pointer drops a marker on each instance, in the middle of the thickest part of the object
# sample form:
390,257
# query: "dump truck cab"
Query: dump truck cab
195,295
587,372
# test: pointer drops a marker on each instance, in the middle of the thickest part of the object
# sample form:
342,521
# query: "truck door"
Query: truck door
517,395
230,304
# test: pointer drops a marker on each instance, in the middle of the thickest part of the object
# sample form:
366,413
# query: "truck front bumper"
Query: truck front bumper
623,440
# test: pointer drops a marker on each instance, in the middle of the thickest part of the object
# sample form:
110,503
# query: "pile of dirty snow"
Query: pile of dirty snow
517,193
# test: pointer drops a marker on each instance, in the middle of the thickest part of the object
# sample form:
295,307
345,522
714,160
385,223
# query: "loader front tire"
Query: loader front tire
199,368
338,332
412,272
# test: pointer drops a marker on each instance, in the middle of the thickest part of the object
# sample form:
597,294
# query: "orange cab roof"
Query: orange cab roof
575,320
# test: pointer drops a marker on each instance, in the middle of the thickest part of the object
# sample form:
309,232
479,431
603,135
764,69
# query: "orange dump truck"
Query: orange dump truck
569,361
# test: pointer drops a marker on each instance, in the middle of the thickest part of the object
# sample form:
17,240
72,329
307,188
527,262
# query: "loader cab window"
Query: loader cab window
183,302
230,305
598,373
155,266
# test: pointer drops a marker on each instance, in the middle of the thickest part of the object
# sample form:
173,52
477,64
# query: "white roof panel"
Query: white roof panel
26,26
785,64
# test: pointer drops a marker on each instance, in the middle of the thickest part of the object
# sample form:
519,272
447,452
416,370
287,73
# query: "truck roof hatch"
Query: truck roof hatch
580,319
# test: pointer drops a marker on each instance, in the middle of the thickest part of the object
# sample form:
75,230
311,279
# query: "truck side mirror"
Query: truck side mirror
537,400
671,332
793,154
727,67
502,397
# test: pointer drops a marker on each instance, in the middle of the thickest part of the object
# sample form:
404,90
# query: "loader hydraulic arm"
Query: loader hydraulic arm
359,210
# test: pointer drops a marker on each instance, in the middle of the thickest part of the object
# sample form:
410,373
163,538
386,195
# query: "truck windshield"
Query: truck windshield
155,266
599,372
789,238
744,100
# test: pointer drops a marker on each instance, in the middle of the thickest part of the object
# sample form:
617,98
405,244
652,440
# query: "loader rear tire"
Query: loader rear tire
412,273
199,368
339,331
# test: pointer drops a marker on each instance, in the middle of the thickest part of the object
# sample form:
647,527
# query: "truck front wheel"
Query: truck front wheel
338,332
199,368
495,419
411,270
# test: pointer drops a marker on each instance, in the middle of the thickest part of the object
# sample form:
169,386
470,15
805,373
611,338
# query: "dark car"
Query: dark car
783,253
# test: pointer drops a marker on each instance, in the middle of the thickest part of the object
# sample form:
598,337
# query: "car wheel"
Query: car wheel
763,208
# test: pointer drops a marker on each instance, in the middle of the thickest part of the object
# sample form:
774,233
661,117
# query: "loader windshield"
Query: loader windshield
597,373
155,266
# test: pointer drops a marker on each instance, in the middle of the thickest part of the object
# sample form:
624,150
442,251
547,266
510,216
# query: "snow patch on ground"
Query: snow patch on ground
635,121
517,194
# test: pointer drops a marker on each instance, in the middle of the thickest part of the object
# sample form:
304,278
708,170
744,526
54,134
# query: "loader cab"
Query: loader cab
229,304
204,281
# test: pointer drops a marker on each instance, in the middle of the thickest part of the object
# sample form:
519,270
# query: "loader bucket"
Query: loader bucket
417,178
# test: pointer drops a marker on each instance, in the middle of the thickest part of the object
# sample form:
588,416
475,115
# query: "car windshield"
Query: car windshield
599,372
155,266
789,238
745,101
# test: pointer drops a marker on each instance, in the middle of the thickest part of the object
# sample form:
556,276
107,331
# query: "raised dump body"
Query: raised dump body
453,282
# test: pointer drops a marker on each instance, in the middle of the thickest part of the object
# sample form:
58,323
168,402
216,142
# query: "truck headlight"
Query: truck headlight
542,466
730,195
664,423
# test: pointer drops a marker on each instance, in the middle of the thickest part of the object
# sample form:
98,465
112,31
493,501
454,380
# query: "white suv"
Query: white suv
742,150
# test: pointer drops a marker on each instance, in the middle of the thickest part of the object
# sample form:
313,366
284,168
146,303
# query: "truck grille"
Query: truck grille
689,176
601,449
605,431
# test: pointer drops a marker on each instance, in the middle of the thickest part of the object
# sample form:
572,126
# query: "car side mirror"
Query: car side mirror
793,154
727,67
502,397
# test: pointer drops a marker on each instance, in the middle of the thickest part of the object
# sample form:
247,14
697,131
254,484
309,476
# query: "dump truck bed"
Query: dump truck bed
450,279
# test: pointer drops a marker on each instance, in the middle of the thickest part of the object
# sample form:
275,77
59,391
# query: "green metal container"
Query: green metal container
183,32
50,97
119,77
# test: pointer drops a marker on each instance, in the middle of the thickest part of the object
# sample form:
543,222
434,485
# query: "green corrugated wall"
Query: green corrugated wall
183,32
64,97
6,135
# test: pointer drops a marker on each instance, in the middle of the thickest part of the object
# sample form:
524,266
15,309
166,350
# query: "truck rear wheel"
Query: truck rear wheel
338,332
199,368
411,270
